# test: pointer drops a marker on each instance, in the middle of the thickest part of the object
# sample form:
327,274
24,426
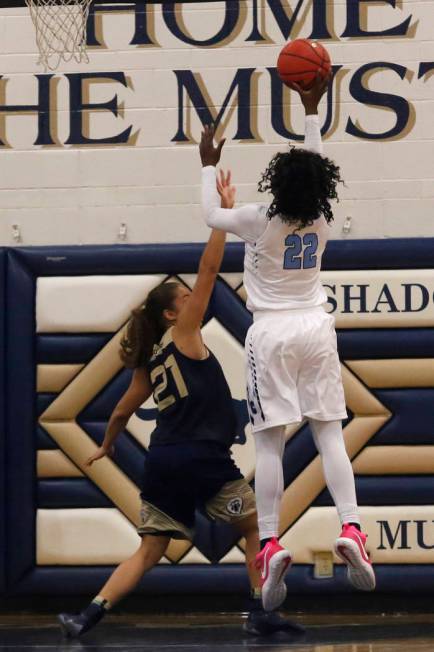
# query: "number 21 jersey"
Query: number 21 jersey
192,396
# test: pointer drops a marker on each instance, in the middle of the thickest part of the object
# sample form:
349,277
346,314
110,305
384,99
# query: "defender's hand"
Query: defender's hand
226,190
99,454
311,98
209,154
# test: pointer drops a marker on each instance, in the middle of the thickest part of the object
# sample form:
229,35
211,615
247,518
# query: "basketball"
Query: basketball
301,60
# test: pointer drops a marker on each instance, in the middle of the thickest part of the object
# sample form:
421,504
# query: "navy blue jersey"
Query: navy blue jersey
193,398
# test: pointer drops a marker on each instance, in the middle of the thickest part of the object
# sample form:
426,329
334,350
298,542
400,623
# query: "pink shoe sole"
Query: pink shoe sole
360,572
274,587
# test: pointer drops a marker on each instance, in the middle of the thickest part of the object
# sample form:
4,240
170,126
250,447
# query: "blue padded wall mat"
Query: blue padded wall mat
19,270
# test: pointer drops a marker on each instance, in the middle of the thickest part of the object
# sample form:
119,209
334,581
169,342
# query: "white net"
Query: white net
60,30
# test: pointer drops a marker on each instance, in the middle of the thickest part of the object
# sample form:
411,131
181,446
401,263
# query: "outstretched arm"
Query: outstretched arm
190,318
310,99
247,222
192,314
137,393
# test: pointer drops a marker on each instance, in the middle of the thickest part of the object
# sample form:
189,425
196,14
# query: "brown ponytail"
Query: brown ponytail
147,326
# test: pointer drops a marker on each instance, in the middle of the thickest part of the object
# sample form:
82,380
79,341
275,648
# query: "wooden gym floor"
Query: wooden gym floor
222,632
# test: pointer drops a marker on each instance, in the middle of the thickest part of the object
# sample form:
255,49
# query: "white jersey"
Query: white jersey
282,262
281,269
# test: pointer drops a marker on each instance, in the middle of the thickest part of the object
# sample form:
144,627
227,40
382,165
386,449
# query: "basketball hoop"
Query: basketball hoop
60,30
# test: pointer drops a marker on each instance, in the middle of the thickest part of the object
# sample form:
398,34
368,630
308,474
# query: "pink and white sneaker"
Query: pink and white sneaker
350,547
273,561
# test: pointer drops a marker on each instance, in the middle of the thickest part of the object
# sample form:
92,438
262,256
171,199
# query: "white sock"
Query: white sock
270,444
337,467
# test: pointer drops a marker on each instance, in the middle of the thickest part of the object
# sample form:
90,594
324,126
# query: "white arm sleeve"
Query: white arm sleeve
247,222
312,135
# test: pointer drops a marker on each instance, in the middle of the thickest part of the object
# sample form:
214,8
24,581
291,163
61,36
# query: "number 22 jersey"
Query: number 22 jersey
192,396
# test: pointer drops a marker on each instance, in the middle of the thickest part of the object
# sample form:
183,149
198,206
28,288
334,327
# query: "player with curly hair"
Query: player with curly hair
302,184
293,369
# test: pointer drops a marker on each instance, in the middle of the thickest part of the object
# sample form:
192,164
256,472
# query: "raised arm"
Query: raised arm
247,222
186,332
137,393
310,99
194,310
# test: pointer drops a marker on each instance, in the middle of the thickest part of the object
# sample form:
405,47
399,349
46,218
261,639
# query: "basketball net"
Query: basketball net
60,30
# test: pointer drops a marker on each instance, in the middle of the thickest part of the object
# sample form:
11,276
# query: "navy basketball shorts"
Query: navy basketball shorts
181,477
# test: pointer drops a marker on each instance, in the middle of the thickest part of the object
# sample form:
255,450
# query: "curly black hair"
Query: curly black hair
302,183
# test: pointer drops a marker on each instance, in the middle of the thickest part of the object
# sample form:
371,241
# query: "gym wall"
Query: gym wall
106,152
66,525
105,155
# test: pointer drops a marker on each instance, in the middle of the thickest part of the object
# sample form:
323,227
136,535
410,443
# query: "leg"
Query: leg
270,445
350,546
338,471
248,528
122,581
260,622
273,559
127,575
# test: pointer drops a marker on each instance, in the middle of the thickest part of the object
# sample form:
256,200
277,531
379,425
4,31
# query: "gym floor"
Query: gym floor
203,632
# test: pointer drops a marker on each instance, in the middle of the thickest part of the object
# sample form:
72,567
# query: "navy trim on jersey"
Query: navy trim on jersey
251,400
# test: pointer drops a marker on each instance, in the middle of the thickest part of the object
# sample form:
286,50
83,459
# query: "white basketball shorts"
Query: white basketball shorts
293,368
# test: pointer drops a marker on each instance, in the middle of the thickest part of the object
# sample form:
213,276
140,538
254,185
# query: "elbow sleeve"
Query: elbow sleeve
313,141
211,218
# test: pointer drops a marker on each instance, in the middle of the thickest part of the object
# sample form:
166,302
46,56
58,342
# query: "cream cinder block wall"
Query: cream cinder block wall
79,193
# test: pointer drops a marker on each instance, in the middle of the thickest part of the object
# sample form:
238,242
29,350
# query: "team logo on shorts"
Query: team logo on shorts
235,506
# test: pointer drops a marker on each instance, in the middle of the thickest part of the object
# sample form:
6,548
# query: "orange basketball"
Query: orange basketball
301,60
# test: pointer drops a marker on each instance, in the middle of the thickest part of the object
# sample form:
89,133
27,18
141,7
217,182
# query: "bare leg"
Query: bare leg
128,574
248,528
122,581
